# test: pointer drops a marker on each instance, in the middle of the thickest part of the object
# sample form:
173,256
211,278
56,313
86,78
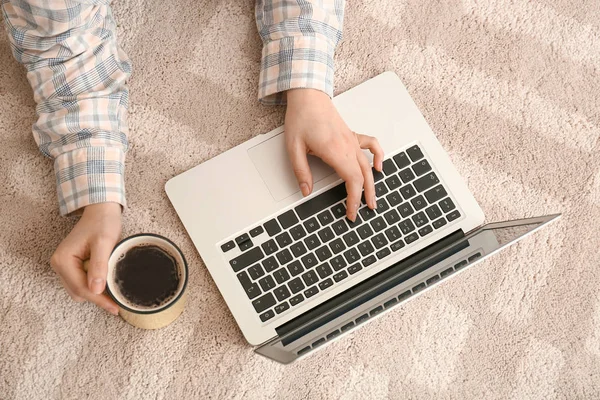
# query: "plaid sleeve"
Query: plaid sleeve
78,73
299,38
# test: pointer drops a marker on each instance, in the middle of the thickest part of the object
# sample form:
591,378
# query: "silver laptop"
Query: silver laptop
295,273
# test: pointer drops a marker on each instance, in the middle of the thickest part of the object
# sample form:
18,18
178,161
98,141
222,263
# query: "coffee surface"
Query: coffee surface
147,276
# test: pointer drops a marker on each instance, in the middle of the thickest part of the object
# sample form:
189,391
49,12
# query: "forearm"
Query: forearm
299,46
77,72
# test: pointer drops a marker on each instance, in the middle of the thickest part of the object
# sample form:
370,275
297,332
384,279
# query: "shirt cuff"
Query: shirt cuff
295,62
88,176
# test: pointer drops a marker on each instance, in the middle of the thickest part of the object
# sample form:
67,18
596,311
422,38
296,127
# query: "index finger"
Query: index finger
348,168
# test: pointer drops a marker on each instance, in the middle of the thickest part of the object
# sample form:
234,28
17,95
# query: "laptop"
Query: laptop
295,272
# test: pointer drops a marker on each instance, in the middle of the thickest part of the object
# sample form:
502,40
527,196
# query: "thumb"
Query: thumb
297,153
98,267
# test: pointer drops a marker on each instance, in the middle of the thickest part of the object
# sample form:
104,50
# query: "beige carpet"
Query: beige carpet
512,89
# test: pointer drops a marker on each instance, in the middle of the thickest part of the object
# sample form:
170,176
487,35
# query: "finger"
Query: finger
369,182
99,254
76,298
297,154
347,167
372,144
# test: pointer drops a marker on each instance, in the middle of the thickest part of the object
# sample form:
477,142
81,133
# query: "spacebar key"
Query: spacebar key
322,201
247,258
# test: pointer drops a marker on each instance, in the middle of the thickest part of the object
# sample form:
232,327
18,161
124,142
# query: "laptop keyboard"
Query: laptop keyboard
311,248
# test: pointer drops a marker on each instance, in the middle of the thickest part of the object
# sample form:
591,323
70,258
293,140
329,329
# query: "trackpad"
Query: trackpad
271,160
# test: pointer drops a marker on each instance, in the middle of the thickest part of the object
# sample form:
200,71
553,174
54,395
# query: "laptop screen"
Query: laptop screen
394,285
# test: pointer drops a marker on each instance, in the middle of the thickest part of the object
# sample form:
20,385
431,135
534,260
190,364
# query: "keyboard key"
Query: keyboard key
401,160
447,205
325,218
406,226
366,248
392,217
411,238
390,302
379,240
380,189
366,213
298,249
453,215
269,247
426,230
246,259
284,256
406,175
242,238
323,253
339,210
356,222
421,167
296,285
408,191
439,223
246,245
281,293
397,245
297,299
419,287
460,265
256,271
270,264
281,307
267,283
267,316
340,276
338,263
383,253
264,302
272,227
295,268
414,153
394,198
281,275
337,246
432,280
288,219
426,181
393,182
340,227
433,212
326,234
378,224
369,260
352,256
322,201
283,239
435,194
418,203
364,231
310,278
251,289
310,292
227,246
377,176
297,232
420,219
324,270
312,242
393,234
351,238
309,261
311,225
347,326
325,284
405,210
474,257
354,268
447,272
256,231
389,167
376,311
382,206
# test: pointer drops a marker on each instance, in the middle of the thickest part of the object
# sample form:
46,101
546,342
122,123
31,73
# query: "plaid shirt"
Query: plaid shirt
78,74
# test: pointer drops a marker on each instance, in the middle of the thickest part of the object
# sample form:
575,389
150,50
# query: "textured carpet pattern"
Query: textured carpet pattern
510,87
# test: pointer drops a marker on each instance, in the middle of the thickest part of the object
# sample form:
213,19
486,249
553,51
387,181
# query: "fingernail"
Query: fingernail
97,285
374,202
380,165
304,188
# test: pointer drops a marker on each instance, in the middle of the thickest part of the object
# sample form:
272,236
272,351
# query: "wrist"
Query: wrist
299,95
108,208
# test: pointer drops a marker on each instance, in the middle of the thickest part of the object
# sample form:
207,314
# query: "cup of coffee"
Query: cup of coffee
147,278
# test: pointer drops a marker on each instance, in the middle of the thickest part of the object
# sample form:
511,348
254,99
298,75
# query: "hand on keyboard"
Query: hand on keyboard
313,126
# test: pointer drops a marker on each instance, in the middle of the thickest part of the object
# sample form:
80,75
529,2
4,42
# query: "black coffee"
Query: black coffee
147,276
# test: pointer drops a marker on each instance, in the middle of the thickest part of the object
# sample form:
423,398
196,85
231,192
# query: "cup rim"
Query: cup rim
175,299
